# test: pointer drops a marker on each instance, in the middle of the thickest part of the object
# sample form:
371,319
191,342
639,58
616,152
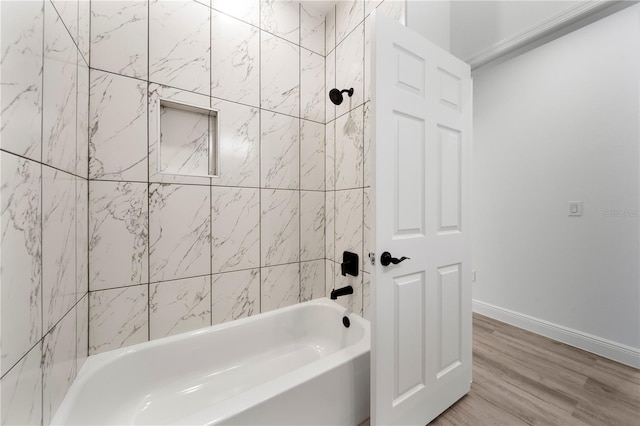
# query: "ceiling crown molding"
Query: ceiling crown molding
543,29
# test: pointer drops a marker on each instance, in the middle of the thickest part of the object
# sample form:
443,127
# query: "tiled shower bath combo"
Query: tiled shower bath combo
100,250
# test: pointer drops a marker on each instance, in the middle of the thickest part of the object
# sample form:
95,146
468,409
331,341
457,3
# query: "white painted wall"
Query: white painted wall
431,19
560,123
478,25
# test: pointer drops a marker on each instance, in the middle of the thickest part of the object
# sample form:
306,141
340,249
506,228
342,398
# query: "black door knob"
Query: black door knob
386,259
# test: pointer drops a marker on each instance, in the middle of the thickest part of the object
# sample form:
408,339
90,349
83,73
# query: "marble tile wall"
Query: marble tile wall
348,169
44,155
99,249
173,252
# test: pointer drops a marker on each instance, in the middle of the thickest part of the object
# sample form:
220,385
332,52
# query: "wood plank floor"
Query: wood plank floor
521,378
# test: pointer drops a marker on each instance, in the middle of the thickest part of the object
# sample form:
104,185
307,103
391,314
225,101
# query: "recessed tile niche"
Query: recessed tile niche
188,139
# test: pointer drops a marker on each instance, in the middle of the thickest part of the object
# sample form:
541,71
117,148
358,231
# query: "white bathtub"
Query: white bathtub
297,365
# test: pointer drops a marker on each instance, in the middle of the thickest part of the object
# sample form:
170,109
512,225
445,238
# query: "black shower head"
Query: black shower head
336,95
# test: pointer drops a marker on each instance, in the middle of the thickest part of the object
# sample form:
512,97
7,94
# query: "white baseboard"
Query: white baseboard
606,348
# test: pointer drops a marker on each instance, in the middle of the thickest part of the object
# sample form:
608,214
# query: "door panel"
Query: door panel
449,330
409,175
421,148
409,332
450,178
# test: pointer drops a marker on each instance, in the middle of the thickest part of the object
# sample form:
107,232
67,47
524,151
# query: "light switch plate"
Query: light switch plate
575,208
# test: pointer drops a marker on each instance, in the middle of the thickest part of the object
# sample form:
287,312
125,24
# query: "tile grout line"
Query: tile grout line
75,196
42,218
260,156
218,162
148,85
335,141
299,156
324,165
164,85
88,174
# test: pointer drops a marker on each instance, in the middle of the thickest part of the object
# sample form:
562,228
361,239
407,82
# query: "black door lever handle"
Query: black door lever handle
386,259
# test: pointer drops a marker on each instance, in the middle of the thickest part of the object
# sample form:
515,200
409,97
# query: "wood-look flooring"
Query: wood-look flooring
521,378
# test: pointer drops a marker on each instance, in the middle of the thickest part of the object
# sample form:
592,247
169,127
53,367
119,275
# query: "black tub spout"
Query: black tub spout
341,292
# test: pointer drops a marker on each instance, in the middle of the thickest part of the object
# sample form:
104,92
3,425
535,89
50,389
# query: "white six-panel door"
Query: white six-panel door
421,327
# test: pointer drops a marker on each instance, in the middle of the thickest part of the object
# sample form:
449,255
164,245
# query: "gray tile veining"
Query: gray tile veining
179,306
21,79
179,231
21,257
235,295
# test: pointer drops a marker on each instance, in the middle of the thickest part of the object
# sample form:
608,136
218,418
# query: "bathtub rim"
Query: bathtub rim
245,400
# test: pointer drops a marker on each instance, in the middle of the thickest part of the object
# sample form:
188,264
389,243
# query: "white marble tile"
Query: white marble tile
370,6
349,150
118,128
350,69
280,227
119,233
367,162
312,285
312,27
82,237
179,306
68,11
84,33
118,318
394,9
280,286
349,223
330,83
59,94
279,76
82,121
312,156
179,45
349,13
235,67
281,18
367,58
312,205
21,390
235,295
238,144
82,331
330,219
351,301
329,276
58,245
245,10
280,151
235,228
21,79
367,306
179,231
20,257
330,156
59,365
367,224
119,37
312,90
155,93
330,30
